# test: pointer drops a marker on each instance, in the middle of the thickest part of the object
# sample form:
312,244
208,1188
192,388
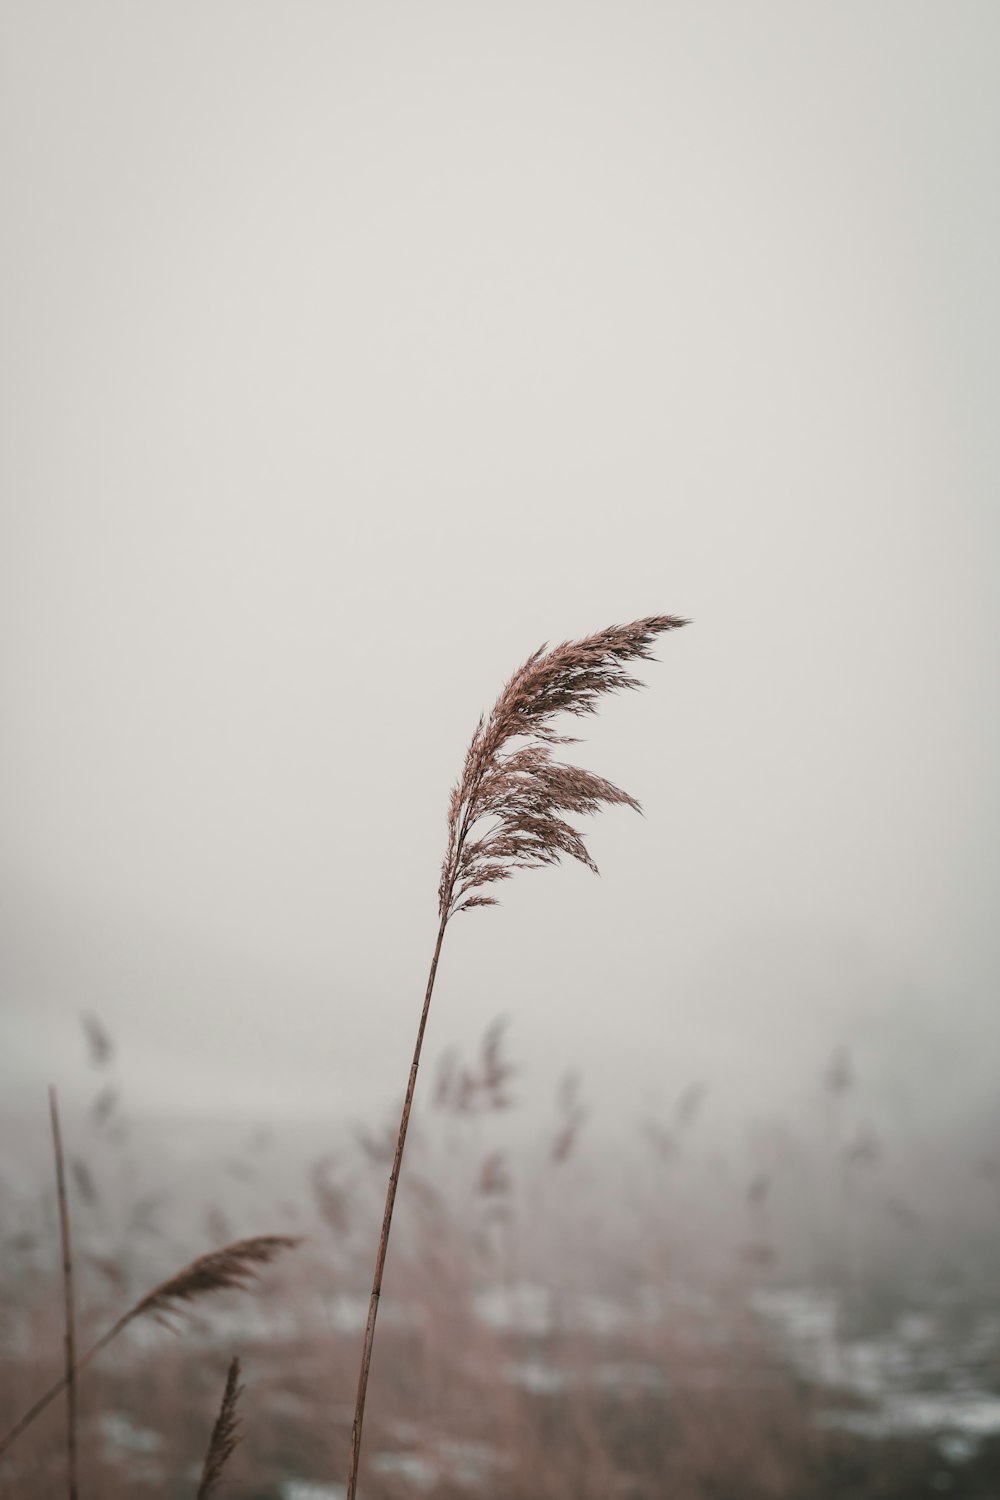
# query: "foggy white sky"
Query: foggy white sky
352,350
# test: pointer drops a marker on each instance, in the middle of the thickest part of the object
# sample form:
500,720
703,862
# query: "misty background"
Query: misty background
351,351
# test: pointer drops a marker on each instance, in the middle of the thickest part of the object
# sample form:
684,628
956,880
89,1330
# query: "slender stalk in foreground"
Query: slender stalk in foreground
506,814
69,1336
221,1270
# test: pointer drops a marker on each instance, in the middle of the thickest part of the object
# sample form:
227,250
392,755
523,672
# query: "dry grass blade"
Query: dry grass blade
516,792
225,1435
233,1267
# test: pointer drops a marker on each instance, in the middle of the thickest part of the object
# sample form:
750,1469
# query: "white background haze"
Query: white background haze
352,350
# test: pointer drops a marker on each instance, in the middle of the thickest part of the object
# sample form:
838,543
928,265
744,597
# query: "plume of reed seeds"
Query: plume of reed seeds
572,1117
233,1267
69,1337
100,1047
331,1200
83,1177
225,1435
462,1090
509,812
104,1105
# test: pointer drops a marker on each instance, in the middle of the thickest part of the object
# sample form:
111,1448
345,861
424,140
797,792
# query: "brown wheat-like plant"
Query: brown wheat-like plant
231,1268
509,812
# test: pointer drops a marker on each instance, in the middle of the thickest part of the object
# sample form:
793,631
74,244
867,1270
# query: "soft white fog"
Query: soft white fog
350,351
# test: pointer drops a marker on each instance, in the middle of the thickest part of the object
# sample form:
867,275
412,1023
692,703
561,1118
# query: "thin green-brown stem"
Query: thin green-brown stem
69,1338
383,1239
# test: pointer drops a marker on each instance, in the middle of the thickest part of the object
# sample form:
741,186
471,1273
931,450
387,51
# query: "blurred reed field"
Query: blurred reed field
794,1313
662,1315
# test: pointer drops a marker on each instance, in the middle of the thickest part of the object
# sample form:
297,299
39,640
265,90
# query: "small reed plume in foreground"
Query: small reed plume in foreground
225,1435
231,1268
507,813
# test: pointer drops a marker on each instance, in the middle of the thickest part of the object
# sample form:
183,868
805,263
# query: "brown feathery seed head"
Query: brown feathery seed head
522,790
232,1267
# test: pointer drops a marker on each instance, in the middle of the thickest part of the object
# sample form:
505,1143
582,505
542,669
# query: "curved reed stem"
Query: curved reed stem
383,1239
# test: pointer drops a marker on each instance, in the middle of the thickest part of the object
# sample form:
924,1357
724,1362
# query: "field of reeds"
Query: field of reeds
554,1327
561,1320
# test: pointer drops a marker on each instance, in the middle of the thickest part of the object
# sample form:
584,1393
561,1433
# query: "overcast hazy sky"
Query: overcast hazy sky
351,350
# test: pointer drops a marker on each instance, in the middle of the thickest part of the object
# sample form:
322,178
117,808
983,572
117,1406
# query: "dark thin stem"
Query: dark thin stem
383,1241
69,1341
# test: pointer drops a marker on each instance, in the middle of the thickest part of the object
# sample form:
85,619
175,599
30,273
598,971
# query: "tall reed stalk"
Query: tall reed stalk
506,815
